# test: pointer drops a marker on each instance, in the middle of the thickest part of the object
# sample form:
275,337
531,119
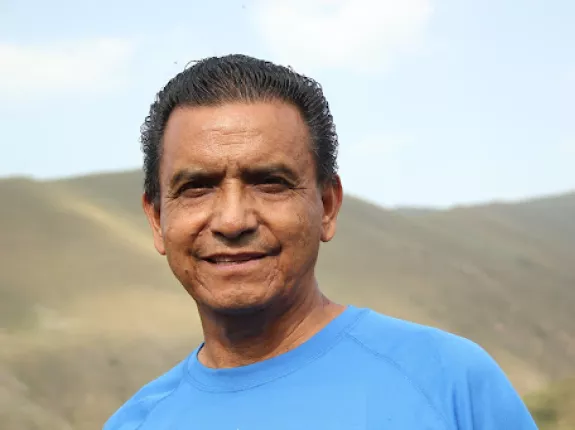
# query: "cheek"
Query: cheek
180,226
299,227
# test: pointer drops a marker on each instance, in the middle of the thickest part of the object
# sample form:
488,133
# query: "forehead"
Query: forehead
235,134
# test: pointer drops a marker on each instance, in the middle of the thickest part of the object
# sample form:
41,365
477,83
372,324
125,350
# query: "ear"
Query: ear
332,197
152,211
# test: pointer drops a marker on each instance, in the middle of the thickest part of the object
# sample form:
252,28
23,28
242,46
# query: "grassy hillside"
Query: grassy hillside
89,311
554,407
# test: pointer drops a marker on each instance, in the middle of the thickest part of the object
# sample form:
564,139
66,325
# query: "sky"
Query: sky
436,102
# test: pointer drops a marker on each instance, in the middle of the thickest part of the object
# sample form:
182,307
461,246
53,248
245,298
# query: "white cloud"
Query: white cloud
71,67
359,35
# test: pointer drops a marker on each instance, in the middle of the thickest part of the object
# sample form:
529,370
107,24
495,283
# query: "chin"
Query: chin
243,302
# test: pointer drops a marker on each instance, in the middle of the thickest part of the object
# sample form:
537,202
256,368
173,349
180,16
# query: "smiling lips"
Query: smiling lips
234,258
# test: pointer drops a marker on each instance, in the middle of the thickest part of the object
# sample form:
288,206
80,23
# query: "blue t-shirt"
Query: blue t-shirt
363,371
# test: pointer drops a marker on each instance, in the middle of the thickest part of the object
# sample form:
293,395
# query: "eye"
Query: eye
195,189
274,184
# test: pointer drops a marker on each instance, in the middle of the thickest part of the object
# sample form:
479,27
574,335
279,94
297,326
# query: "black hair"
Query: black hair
232,78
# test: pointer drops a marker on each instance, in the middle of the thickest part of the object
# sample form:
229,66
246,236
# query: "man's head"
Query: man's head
240,181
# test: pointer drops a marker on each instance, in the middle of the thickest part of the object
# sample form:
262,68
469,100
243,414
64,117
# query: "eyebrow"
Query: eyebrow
187,175
194,174
270,170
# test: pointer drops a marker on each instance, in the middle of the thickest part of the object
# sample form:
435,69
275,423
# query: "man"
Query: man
240,189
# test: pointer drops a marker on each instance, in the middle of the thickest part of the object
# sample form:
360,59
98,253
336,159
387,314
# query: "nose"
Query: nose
233,215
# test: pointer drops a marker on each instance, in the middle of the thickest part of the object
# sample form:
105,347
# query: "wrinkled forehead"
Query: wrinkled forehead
235,137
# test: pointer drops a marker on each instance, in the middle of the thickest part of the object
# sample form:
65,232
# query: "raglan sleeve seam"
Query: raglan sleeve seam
140,405
405,374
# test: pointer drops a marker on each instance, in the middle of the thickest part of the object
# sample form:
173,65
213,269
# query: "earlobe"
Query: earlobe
152,212
332,197
328,233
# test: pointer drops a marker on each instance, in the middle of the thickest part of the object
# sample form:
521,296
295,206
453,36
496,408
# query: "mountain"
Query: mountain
554,407
89,312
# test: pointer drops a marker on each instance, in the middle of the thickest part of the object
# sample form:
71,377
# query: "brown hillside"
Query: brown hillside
89,312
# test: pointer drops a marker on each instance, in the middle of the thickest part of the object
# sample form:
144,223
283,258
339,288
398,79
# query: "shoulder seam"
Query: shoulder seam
438,358
397,367
168,394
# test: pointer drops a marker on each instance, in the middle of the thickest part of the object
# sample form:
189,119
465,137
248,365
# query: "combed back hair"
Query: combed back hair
239,78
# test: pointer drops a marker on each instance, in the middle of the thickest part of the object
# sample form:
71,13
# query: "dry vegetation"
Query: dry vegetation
89,312
554,407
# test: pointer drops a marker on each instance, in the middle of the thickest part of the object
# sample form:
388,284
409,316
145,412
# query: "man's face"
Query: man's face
241,214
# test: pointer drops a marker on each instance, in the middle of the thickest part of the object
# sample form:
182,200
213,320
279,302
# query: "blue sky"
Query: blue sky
437,102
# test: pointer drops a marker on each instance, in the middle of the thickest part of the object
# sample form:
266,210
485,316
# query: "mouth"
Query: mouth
234,259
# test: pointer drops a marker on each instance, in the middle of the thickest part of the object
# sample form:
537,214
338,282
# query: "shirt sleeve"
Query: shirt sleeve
484,398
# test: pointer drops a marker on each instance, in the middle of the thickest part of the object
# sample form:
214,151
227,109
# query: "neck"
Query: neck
242,339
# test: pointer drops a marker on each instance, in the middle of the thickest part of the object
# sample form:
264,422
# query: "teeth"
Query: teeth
233,259
230,260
